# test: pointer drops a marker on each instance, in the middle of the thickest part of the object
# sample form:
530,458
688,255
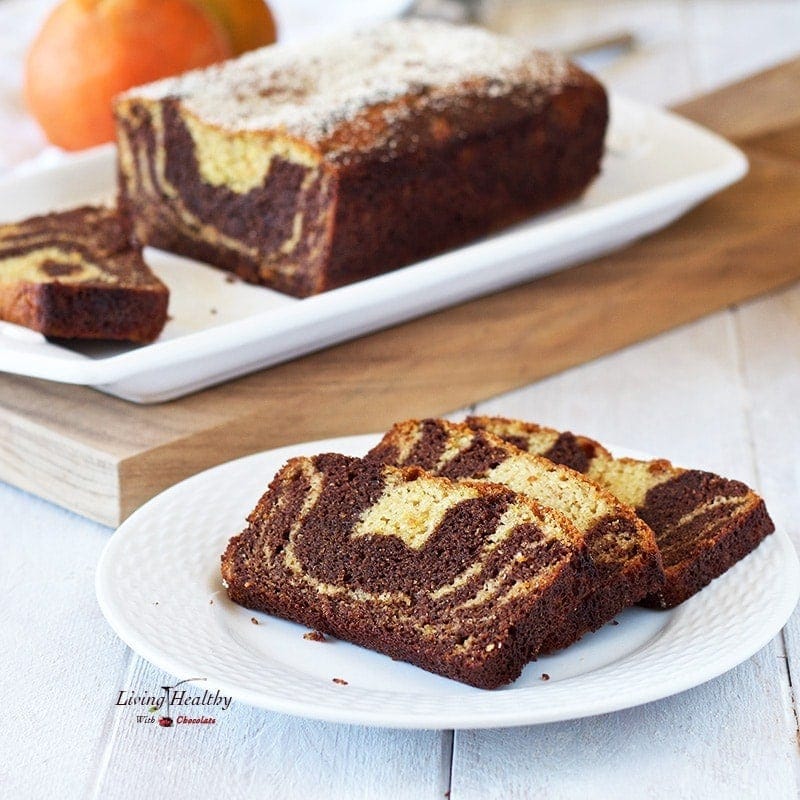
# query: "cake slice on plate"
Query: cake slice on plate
703,523
622,548
466,580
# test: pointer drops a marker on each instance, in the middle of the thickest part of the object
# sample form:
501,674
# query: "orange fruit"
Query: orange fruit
90,50
249,23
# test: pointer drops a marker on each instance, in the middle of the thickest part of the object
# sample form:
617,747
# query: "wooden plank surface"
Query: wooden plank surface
103,457
658,751
269,755
751,108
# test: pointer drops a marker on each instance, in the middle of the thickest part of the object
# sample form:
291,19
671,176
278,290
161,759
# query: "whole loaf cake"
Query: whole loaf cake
308,167
466,580
622,548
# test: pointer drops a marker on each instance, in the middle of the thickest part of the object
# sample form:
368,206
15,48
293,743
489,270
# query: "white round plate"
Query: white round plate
159,586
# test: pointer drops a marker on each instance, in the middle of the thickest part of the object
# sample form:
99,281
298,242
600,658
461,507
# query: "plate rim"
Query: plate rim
342,714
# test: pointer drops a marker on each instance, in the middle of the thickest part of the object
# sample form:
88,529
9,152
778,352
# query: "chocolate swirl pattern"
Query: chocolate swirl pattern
466,580
703,523
174,172
75,274
622,548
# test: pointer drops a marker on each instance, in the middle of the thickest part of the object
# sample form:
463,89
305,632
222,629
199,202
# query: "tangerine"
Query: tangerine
90,50
249,23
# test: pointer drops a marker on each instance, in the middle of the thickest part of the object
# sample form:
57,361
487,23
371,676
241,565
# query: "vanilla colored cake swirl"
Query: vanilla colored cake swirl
703,523
463,579
305,167
621,546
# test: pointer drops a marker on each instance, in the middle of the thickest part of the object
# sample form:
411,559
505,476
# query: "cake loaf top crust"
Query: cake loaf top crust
354,93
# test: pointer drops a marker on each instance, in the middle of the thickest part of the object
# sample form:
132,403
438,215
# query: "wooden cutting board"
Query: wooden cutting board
103,457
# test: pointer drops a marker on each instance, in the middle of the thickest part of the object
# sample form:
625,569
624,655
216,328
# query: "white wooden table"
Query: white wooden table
721,394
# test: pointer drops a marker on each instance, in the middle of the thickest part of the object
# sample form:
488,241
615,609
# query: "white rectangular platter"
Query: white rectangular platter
657,167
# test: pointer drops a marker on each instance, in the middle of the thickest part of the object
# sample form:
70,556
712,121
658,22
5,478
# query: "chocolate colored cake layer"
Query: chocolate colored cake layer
622,548
703,523
75,274
465,580
307,167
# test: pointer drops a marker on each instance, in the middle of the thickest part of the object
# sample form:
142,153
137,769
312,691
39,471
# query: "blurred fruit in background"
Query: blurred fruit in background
90,50
248,23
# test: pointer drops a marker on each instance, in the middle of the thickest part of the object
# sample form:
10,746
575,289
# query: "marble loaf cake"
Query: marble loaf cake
465,580
75,275
703,523
311,166
622,548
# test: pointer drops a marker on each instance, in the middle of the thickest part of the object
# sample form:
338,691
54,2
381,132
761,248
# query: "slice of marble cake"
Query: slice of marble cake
703,523
75,274
622,548
464,580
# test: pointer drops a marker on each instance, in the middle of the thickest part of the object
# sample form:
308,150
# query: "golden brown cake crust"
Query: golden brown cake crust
394,87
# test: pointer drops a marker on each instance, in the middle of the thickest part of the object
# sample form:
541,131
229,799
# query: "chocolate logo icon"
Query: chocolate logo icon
171,696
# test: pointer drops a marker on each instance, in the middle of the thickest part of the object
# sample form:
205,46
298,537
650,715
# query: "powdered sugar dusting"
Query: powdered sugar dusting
310,89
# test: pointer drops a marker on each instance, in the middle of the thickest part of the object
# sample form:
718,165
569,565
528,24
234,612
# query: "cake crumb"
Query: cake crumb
213,311
314,636
230,279
614,622
211,601
254,621
340,681
545,676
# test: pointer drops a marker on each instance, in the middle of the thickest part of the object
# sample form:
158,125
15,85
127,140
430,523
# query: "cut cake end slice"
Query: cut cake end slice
76,275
